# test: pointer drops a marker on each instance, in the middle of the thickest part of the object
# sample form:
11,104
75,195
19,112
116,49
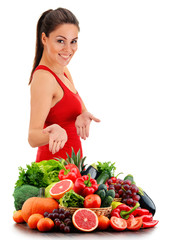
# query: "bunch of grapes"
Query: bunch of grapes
126,190
62,219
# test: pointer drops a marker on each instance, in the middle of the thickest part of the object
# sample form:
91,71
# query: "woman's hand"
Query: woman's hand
57,137
82,124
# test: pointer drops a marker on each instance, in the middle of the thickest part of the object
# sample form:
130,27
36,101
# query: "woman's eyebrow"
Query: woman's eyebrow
66,38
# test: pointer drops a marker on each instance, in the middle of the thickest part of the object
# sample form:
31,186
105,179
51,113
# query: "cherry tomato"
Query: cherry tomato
113,179
118,224
134,223
92,201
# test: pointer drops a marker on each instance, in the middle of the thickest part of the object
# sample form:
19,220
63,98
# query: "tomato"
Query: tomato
103,222
134,223
92,201
119,224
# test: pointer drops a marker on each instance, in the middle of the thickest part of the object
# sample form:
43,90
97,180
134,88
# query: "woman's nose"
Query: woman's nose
67,47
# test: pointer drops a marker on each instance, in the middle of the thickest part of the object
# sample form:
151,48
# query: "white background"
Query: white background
122,72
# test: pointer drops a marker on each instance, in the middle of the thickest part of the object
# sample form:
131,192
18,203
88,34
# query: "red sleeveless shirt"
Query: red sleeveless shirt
64,113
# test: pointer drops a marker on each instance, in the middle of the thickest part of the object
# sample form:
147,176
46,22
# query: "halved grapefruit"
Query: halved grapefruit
60,188
85,220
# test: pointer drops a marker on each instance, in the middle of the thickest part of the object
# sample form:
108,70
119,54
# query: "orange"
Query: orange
33,220
17,217
103,222
45,224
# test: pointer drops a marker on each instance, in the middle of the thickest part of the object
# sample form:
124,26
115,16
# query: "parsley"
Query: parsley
107,167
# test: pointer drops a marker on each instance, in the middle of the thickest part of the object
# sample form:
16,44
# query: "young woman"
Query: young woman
58,115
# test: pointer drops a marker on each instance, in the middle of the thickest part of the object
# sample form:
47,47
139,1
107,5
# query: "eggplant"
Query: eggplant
92,170
146,202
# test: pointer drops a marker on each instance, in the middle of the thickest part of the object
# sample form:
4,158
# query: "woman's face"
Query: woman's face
61,44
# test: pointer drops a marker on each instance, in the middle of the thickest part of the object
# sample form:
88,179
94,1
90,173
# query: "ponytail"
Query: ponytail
47,23
39,45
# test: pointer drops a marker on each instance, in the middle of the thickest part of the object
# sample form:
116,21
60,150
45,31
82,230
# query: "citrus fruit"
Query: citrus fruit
47,189
85,220
33,220
60,188
17,216
103,222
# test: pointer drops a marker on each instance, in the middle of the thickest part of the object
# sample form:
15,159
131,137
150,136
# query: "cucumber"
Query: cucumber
107,201
103,177
101,193
102,187
110,193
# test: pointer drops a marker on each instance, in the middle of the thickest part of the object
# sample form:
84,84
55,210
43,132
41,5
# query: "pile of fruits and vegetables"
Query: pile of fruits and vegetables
65,195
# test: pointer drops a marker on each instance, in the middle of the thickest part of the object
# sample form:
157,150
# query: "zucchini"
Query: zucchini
103,177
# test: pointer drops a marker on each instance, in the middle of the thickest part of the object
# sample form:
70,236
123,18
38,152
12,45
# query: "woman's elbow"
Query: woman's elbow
31,141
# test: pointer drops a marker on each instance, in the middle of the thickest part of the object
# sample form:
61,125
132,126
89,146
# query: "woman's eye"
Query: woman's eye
60,41
74,41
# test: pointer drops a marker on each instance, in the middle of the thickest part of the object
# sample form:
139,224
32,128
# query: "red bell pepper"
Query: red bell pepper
140,212
85,185
147,218
150,224
124,211
71,172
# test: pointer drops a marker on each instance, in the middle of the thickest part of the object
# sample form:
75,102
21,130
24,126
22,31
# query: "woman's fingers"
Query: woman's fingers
84,133
51,142
54,147
62,144
58,146
78,131
95,119
87,130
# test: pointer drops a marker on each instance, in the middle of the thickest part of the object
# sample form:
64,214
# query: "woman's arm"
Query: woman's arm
41,98
42,93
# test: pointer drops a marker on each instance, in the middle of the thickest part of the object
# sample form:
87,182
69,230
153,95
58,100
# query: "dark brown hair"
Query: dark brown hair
47,23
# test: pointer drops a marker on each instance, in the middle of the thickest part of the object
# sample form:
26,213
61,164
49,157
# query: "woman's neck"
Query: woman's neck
55,67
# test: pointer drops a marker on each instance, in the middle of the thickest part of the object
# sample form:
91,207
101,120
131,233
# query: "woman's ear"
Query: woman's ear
44,38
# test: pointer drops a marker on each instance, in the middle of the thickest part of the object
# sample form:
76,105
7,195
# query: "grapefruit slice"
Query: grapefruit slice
60,188
85,220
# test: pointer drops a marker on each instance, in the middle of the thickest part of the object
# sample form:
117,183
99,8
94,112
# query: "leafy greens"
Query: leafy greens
107,167
39,174
71,199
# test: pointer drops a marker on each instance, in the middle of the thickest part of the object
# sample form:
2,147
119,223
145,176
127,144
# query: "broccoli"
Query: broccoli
22,193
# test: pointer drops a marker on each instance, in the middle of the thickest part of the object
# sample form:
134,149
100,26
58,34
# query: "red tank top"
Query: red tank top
64,113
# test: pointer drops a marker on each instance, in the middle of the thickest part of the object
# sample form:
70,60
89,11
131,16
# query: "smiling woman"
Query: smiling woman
58,115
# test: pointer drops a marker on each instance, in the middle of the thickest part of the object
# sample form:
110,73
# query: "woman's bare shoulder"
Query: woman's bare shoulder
43,82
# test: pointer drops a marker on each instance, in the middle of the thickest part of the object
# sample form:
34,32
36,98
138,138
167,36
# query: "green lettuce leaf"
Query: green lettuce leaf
71,199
